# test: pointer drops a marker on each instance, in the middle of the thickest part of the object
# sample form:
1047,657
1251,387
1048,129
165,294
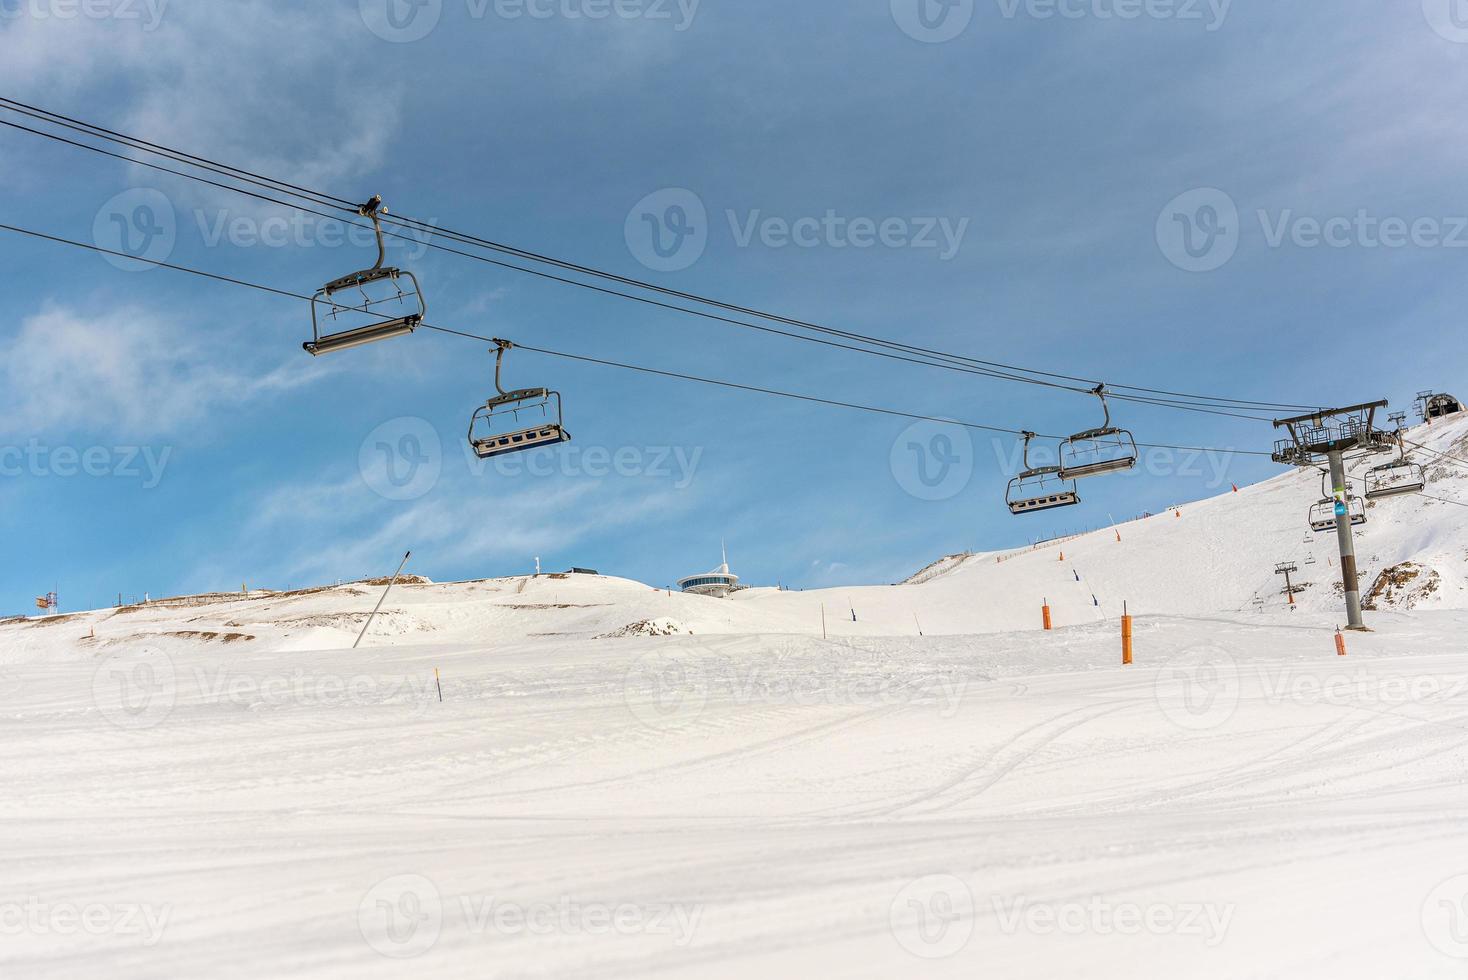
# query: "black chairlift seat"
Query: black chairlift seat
488,435
1322,514
1395,479
1100,451
391,302
1039,488
1032,499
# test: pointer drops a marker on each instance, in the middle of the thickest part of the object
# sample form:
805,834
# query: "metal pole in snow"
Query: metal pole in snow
1346,538
390,584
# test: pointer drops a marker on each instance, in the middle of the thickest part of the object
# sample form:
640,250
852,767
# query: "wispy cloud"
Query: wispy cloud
136,374
210,77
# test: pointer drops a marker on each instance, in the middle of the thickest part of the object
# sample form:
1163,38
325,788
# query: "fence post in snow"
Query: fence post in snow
1126,636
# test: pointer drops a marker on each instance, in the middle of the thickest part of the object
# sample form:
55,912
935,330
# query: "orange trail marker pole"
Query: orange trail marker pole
1340,643
1046,611
1126,636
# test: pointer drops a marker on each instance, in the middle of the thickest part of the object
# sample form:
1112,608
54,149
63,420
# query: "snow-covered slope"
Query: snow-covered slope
616,781
1214,556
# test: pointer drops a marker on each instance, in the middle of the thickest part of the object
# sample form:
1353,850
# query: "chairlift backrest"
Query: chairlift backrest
391,301
1039,488
487,436
1099,451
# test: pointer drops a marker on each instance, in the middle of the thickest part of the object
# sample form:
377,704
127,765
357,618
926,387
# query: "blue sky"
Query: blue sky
1028,162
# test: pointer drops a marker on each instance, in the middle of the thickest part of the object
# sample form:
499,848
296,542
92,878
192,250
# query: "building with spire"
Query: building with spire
718,584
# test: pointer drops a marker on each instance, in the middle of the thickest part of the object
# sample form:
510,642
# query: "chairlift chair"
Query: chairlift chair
488,434
1039,488
1395,479
1322,514
1097,452
391,304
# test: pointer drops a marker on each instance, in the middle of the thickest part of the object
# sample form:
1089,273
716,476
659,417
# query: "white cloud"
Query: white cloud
127,373
211,78
316,532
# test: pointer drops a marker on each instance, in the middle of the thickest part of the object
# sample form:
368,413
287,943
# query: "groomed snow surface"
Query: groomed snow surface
622,782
